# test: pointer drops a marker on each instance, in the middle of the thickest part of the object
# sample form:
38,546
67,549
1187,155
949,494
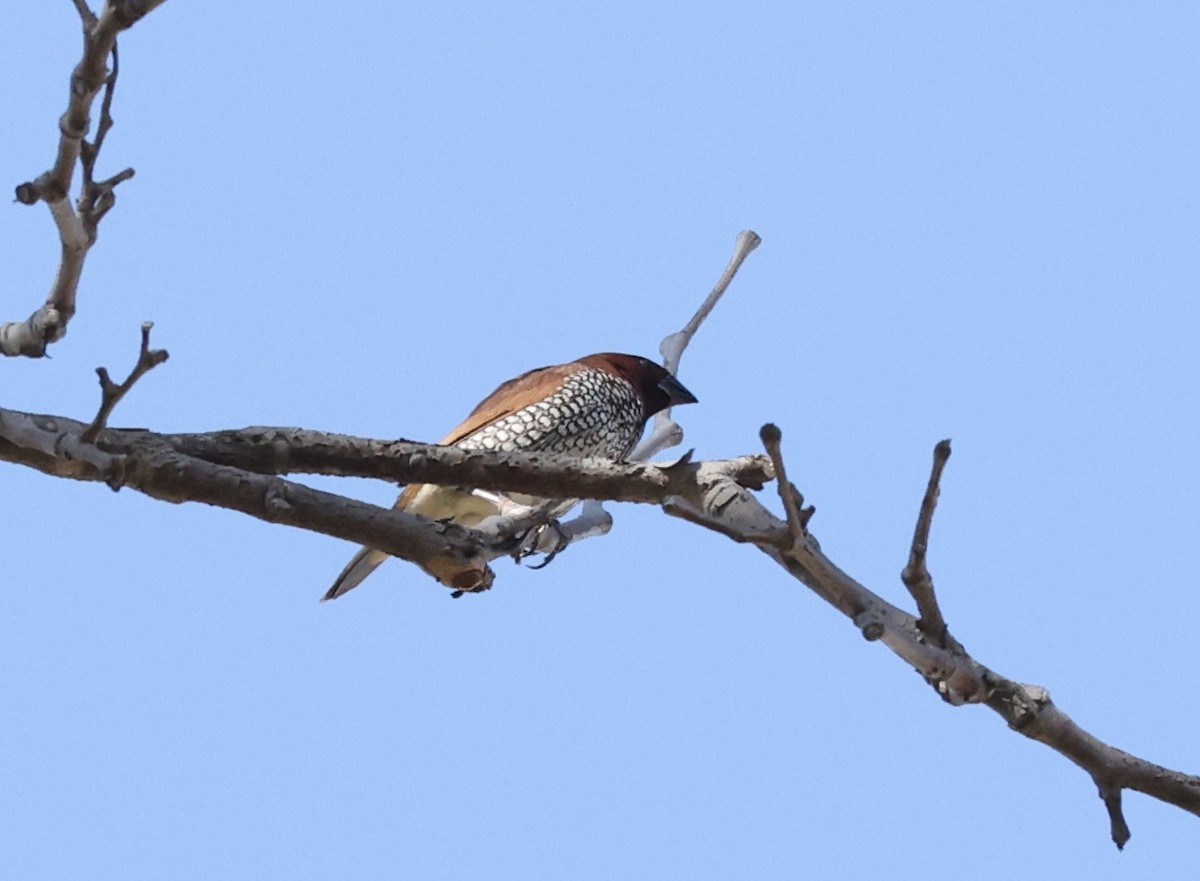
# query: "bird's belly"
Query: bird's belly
459,505
442,502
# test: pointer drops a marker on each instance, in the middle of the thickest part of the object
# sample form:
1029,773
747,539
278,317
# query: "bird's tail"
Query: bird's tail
361,565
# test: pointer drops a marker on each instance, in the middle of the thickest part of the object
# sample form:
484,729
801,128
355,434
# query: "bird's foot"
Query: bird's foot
546,538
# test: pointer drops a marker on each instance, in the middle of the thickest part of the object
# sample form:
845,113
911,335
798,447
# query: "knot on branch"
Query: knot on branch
870,624
275,499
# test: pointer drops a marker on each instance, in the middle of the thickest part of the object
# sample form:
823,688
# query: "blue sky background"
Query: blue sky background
979,221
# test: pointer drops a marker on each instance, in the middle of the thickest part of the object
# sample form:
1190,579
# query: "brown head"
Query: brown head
656,386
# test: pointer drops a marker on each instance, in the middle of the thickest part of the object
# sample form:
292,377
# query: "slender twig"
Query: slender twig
793,503
106,120
673,346
90,150
111,393
664,431
98,197
916,575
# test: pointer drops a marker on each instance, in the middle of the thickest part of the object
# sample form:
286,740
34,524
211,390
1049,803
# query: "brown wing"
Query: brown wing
511,396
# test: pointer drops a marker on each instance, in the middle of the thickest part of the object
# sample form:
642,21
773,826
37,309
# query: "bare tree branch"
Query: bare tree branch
276,451
237,470
793,501
916,575
111,393
714,494
956,676
76,224
147,463
664,431
673,346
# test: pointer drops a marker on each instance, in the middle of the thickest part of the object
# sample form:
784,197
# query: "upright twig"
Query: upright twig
793,503
673,346
96,199
664,431
916,575
111,393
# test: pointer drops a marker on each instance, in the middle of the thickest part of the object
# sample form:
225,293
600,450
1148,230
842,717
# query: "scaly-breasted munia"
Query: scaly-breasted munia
596,406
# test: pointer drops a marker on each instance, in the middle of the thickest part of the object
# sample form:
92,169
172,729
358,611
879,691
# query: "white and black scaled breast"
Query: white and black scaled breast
593,413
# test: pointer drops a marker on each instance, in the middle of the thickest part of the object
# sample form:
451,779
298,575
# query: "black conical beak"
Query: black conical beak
676,393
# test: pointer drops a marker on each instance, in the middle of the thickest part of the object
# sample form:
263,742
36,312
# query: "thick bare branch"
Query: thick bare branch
206,468
545,475
76,225
956,676
146,463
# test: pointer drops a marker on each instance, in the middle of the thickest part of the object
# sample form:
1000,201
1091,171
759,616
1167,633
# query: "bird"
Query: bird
597,405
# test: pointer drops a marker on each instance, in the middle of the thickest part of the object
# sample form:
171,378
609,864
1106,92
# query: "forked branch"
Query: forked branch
76,224
927,645
111,392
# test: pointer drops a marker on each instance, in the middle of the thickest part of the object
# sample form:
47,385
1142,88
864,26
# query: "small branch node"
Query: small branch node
114,477
870,624
275,499
806,514
28,193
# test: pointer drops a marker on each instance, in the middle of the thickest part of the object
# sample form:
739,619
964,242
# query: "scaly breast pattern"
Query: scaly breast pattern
593,413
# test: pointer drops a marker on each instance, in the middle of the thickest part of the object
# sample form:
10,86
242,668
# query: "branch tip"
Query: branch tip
27,193
1116,816
806,514
86,16
770,434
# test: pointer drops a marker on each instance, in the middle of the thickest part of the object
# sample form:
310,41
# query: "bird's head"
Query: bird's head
658,388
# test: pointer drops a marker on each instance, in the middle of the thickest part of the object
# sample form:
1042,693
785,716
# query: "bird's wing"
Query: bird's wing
511,396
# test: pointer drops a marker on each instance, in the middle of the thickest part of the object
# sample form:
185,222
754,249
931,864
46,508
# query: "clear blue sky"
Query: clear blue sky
979,222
